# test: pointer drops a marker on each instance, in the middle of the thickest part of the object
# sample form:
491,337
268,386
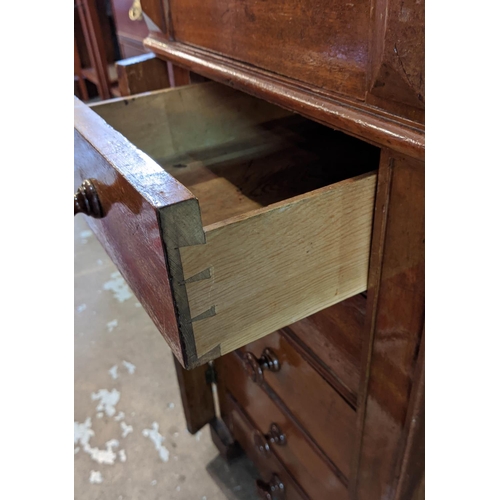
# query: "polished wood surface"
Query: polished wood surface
269,465
335,58
332,341
346,385
361,69
317,407
395,315
375,126
132,189
311,468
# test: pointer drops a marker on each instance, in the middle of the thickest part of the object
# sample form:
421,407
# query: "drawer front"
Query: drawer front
217,278
269,467
133,192
277,432
319,409
322,42
334,337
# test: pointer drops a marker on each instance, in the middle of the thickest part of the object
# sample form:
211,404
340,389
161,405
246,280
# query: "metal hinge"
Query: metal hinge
211,374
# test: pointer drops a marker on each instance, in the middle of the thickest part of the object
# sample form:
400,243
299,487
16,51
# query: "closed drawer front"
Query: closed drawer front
316,405
228,217
333,55
276,481
332,338
277,432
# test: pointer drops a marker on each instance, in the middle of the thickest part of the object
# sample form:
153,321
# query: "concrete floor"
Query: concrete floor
131,440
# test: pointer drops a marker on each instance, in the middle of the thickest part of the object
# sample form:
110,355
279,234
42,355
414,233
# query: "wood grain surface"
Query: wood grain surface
394,326
313,471
143,73
391,128
322,412
277,265
332,340
243,428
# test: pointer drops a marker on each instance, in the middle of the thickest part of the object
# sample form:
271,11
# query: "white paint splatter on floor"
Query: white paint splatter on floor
113,371
171,405
81,308
198,435
157,439
122,455
86,234
106,456
153,482
112,325
107,400
100,262
83,432
129,366
178,488
95,477
120,416
127,429
119,287
137,304
99,414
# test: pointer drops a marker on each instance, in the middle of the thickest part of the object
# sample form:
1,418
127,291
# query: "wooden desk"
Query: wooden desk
331,403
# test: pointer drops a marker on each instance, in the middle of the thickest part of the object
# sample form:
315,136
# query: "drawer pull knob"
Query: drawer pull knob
255,367
274,436
273,490
87,201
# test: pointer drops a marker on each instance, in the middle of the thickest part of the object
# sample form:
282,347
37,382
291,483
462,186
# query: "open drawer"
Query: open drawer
229,217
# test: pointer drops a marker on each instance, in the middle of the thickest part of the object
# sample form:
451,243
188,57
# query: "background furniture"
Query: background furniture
95,46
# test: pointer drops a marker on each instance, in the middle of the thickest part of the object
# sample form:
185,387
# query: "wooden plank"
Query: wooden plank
143,73
277,265
196,395
395,315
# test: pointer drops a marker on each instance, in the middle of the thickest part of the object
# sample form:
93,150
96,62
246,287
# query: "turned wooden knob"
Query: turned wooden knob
273,490
255,367
262,442
87,200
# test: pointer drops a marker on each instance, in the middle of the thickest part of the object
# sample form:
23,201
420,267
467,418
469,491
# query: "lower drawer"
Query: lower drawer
276,483
277,432
229,217
317,406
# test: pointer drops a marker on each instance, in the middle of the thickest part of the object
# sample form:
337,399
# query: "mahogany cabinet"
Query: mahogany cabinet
272,225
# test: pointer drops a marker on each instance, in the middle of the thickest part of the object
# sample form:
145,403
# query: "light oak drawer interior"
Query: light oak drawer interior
280,228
